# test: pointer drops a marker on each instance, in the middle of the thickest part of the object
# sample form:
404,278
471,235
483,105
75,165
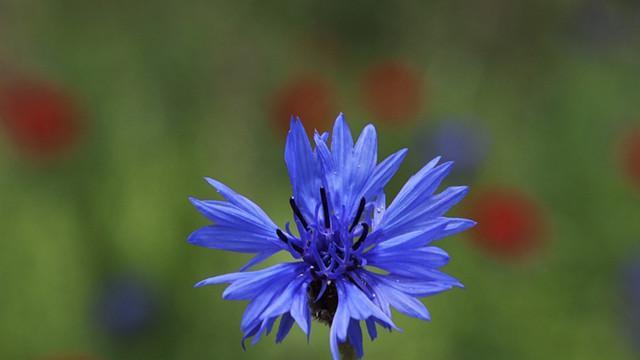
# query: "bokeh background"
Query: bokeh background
112,112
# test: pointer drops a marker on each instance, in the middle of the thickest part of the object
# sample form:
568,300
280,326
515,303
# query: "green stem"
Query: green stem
347,352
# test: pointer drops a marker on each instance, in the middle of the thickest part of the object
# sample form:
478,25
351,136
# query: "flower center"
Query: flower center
332,246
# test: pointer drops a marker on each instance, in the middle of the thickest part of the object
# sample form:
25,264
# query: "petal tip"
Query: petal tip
369,127
192,239
447,165
213,182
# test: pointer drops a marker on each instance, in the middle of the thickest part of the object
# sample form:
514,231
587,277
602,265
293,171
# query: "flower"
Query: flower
462,140
344,231
41,118
126,307
511,224
309,96
629,154
630,277
393,92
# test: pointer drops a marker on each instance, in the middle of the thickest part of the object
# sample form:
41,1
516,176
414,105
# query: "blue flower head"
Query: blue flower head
353,258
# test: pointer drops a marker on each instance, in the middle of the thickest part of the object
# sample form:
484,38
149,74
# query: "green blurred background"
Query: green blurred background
94,222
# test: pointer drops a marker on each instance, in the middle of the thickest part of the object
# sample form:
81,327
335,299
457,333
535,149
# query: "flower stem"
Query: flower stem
347,352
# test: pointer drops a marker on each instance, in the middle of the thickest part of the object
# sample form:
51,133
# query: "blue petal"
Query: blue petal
379,301
225,213
423,211
258,281
417,190
264,288
379,209
340,324
247,285
233,239
371,329
420,287
365,154
426,256
303,168
360,307
286,323
239,226
251,316
423,183
381,175
402,302
443,201
410,239
342,151
266,325
401,293
424,274
300,310
260,257
418,233
241,202
325,136
330,177
248,334
352,304
354,334
222,279
341,144
282,303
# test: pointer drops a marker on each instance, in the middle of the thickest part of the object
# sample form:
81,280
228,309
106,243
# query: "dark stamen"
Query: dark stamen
325,208
358,214
286,240
297,213
365,231
282,236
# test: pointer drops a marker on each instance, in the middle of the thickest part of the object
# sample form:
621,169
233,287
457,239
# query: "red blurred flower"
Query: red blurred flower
509,223
393,92
39,118
310,97
630,155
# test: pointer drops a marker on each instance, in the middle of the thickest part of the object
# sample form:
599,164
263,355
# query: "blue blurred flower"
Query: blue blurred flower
458,140
631,293
344,230
125,307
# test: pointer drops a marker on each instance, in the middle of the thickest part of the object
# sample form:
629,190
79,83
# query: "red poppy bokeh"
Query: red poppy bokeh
630,155
39,118
393,92
310,97
510,224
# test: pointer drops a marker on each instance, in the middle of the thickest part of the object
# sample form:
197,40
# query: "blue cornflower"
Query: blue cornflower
353,258
463,141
